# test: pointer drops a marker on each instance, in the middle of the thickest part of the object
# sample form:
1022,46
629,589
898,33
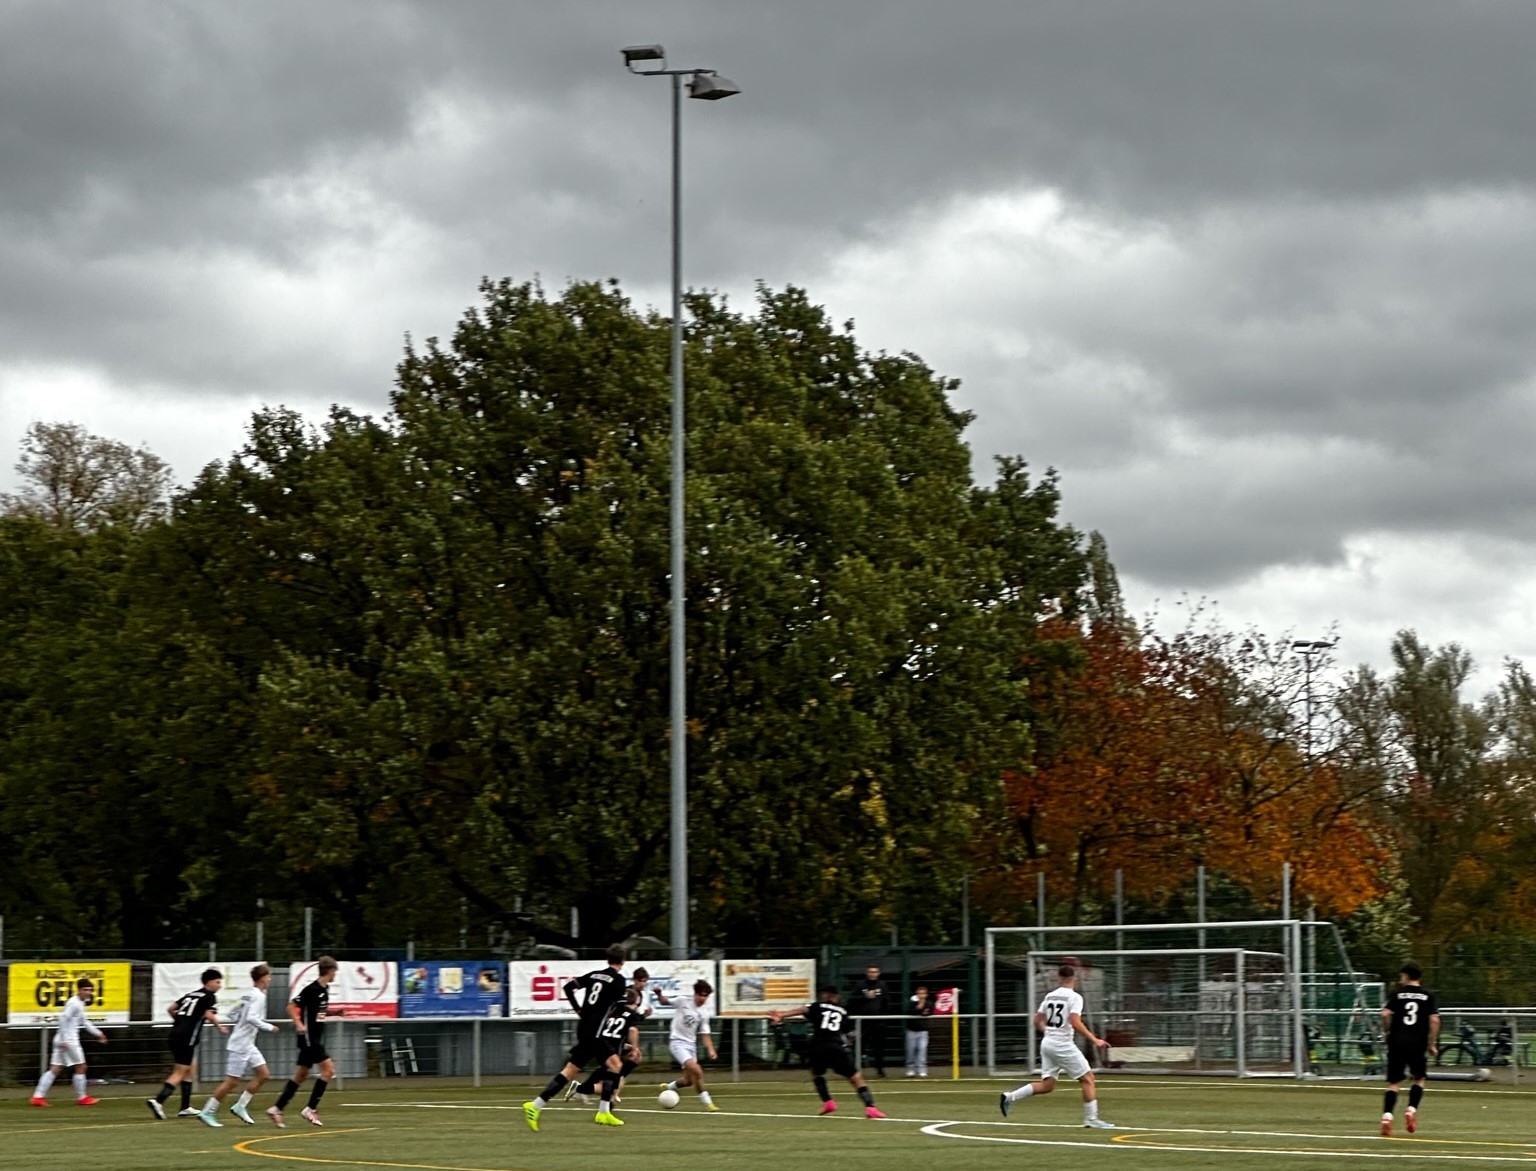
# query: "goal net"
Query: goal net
1165,1003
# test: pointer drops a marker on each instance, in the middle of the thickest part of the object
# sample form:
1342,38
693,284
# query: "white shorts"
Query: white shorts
242,1060
683,1051
1058,1058
68,1053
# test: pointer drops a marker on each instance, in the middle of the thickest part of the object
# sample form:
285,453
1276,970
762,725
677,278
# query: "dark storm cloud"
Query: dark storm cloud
1312,315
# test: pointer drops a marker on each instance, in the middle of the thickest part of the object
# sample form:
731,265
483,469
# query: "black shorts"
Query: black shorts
182,1052
1400,1061
311,1054
835,1058
591,1051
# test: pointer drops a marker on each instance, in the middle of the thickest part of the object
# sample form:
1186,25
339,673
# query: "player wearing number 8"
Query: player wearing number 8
1059,1017
1411,1020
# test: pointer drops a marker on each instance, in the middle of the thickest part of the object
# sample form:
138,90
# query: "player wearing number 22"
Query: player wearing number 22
603,1022
1059,1017
1411,1020
830,1023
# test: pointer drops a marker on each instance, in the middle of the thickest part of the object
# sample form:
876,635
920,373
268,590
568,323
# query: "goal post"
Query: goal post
1223,998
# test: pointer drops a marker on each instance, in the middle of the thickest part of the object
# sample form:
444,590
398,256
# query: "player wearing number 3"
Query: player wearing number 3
1411,1020
1060,1016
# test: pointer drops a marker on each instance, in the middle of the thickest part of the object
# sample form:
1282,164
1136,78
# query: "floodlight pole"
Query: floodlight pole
705,83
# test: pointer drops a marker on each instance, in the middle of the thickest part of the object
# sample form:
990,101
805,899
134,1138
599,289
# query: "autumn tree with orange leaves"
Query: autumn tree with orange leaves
1157,755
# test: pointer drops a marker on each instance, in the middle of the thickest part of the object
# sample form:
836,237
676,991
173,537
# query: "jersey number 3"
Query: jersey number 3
1411,1013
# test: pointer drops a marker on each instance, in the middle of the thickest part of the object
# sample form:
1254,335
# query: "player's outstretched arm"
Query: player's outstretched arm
779,1018
1084,1031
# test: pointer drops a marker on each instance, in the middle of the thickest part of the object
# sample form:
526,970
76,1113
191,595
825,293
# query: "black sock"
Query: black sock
865,1096
289,1091
165,1092
626,1069
588,1085
821,1088
1415,1096
317,1093
556,1084
1389,1102
610,1087
186,1095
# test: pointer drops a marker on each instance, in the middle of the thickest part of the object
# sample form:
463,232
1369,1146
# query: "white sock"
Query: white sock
704,1097
245,1100
212,1107
672,1086
79,1083
44,1084
539,1103
1022,1092
1091,1109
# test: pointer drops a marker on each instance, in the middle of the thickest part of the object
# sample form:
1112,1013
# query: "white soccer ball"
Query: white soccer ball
668,1099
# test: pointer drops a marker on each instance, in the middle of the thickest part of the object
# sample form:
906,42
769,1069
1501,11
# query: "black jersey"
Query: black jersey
593,995
869,1000
1411,1007
313,999
189,1014
828,1023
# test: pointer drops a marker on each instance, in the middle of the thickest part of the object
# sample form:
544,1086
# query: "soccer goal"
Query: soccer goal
1210,998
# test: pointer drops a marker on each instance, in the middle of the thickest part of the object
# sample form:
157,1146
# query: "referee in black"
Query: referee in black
1411,1020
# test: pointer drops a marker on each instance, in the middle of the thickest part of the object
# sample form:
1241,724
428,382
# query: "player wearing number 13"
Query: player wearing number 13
1411,1020
1059,1017
830,1023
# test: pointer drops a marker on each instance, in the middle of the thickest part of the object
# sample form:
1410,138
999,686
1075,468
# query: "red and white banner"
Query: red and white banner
535,988
362,988
947,1002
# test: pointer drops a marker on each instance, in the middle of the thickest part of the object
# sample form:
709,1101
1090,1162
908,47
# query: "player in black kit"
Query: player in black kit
593,996
1411,1021
308,1011
188,1015
829,1049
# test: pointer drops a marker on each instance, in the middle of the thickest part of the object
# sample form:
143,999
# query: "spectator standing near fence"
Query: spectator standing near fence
870,1002
919,1009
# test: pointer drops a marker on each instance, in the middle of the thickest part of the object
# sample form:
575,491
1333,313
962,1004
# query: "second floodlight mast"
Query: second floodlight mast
709,86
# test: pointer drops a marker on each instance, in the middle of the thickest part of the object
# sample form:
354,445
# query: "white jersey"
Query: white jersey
250,1015
72,1020
1057,1009
688,1021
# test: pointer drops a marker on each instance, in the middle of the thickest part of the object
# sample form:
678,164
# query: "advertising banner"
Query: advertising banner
172,981
535,987
453,988
947,1002
365,989
39,989
756,987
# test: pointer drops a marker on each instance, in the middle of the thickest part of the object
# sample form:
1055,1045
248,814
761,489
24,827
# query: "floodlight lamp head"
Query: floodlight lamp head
711,87
637,53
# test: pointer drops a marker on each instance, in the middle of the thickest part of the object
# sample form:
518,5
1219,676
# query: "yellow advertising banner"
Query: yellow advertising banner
39,990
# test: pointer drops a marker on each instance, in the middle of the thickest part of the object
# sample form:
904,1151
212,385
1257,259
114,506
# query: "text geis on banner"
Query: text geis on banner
756,987
39,990
363,988
175,980
466,988
535,988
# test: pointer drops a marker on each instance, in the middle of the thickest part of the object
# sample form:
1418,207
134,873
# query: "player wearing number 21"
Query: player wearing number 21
1059,1016
1411,1019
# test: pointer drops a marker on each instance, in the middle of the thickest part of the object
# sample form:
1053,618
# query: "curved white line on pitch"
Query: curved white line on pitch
937,1130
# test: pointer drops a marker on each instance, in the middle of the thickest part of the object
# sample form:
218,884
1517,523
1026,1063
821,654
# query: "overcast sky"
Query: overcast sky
1259,279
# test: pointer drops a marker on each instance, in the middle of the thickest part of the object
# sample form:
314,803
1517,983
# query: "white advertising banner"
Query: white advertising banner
756,987
362,988
536,987
173,981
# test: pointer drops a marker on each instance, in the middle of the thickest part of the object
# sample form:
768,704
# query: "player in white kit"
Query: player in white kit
690,1023
1059,1017
67,1051
249,1018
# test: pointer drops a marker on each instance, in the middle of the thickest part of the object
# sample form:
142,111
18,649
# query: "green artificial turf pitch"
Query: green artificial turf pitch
1166,1124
